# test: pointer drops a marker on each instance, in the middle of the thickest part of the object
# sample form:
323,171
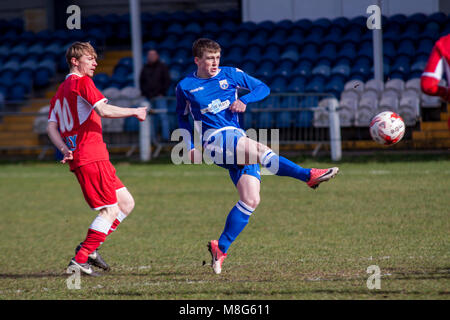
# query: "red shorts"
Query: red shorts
99,183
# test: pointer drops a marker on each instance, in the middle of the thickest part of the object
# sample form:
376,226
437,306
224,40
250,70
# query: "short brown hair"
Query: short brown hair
203,45
77,49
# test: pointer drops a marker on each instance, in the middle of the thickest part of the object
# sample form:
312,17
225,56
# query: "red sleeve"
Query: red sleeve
435,64
52,105
89,92
432,74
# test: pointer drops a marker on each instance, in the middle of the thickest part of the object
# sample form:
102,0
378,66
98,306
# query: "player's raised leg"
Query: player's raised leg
255,152
248,187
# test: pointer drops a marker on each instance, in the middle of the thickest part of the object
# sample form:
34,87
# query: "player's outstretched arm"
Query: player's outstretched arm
105,110
55,138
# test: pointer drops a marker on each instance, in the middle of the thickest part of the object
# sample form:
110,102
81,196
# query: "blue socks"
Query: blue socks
240,214
236,221
281,166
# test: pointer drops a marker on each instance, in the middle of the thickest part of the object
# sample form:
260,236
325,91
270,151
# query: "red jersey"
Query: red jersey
80,126
438,63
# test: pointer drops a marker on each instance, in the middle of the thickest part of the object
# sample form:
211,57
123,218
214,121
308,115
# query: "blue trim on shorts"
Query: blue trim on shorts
230,138
251,169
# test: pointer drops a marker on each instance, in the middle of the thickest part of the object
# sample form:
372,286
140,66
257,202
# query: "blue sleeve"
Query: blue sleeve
183,115
258,89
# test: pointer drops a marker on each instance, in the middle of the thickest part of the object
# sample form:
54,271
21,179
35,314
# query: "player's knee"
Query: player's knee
262,148
127,205
126,201
262,154
252,201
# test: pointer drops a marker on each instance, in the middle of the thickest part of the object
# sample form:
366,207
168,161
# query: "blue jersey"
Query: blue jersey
208,100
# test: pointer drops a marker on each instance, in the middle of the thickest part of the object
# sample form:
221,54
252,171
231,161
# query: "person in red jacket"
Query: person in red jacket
438,63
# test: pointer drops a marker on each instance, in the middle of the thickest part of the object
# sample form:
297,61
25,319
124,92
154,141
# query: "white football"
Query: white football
387,128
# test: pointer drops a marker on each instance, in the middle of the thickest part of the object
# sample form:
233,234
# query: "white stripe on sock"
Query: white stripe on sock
265,159
100,224
261,160
246,206
121,216
243,209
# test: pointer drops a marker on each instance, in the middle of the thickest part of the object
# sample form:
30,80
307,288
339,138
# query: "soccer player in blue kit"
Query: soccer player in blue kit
210,96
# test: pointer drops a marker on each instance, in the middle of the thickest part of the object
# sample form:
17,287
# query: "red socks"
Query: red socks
116,222
97,233
93,240
113,227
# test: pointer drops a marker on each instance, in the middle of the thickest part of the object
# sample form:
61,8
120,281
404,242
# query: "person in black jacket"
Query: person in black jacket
154,82
154,78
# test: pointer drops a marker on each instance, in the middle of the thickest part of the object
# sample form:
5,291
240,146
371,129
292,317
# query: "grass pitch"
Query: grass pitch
388,211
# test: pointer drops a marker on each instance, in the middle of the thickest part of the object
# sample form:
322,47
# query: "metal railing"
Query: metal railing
308,123
299,118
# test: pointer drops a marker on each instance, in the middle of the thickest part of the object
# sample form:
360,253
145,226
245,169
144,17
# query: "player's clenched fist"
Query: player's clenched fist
141,113
238,106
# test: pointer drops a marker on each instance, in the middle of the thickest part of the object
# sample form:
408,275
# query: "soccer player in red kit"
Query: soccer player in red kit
438,62
74,127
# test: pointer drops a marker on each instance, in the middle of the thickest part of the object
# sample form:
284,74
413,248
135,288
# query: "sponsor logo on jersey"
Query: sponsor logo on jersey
196,89
216,106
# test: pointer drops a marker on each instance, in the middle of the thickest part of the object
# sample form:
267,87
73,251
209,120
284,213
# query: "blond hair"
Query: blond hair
77,50
202,45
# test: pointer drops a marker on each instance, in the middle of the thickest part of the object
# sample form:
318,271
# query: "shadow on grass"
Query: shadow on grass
273,293
415,276
122,294
36,275
363,292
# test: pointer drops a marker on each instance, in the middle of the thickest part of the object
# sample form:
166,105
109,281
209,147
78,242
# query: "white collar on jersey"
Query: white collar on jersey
218,71
73,73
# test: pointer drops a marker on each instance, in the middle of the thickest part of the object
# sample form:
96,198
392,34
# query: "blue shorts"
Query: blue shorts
221,145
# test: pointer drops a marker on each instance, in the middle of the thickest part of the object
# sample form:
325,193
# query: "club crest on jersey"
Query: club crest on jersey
223,84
